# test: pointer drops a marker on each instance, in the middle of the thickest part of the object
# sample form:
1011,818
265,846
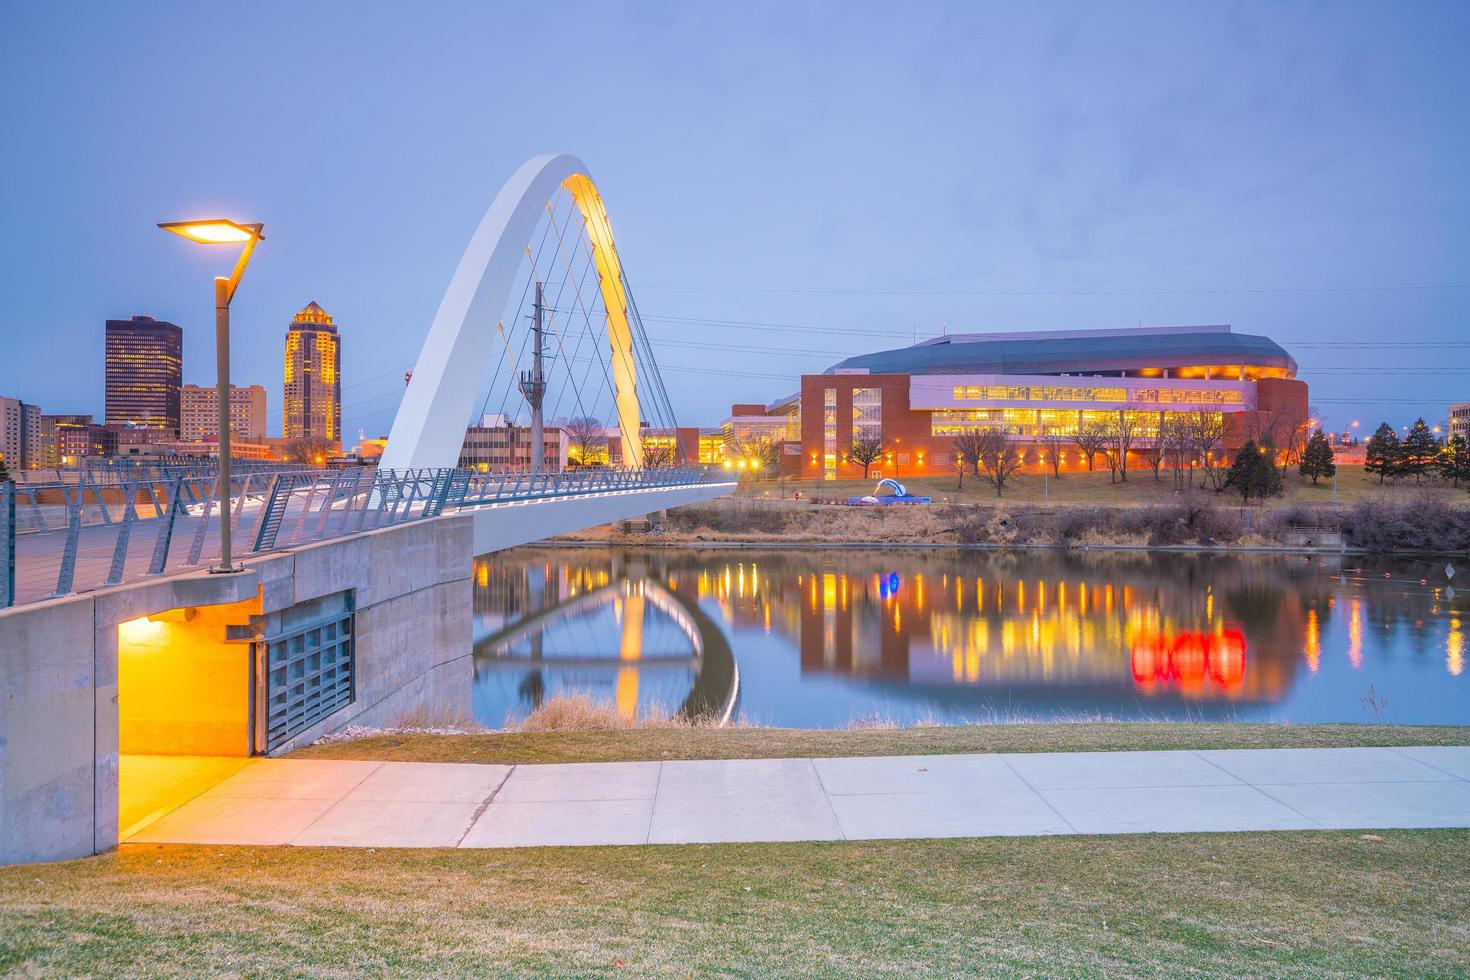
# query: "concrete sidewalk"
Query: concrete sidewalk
404,804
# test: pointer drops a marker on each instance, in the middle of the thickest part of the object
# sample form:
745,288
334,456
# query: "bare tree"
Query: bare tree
1206,441
587,439
999,458
1174,448
1120,434
657,454
1051,444
959,468
1090,438
865,451
310,450
763,450
967,445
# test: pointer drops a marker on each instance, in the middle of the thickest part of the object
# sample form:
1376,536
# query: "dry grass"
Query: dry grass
619,744
1096,488
1408,518
579,713
1240,905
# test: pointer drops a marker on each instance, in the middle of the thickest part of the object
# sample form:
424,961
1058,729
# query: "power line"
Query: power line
1214,291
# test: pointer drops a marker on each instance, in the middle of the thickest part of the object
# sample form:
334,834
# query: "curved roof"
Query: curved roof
1076,352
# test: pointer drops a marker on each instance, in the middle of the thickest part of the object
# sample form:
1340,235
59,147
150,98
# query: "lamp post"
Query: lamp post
219,231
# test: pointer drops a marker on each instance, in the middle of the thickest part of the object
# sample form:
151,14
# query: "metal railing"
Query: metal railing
150,521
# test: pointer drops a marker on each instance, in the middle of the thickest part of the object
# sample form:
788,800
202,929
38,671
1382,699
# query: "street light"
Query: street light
219,231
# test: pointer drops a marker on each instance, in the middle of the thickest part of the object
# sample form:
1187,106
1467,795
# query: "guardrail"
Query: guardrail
132,525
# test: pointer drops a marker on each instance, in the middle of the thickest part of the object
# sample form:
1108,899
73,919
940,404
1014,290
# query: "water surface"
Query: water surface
831,637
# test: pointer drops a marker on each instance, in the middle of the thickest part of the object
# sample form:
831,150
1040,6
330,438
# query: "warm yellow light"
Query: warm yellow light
214,231
140,630
755,464
741,464
727,464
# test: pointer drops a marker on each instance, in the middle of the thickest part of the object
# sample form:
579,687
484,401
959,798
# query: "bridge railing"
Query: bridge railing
61,537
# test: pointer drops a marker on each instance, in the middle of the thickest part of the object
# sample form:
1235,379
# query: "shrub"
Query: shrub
1423,523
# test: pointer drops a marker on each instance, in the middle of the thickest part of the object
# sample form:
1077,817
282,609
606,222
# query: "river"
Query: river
824,638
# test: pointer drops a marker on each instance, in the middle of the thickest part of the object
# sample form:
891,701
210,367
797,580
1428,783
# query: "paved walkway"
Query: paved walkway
401,804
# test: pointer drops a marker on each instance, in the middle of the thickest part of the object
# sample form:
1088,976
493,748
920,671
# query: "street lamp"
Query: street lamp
219,231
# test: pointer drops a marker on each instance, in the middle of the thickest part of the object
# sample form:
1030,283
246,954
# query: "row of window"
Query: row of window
1038,422
1079,393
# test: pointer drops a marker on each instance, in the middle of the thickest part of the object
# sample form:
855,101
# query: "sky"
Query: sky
822,179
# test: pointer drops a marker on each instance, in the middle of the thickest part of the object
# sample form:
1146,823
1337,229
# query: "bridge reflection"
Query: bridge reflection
1047,632
575,629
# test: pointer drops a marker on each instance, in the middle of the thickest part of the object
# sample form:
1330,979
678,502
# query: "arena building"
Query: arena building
1037,387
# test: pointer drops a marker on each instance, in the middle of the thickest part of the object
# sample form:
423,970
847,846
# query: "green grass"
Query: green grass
1278,904
767,743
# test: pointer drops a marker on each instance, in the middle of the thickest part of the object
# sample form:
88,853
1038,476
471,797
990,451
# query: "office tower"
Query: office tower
312,404
199,413
145,369
20,435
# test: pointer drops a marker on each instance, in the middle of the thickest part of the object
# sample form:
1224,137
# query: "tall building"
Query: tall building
1459,419
313,383
20,434
199,412
145,369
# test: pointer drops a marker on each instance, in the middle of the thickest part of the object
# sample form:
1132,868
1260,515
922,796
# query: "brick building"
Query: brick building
1037,387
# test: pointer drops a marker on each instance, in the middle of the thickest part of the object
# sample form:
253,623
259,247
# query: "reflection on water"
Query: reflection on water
823,638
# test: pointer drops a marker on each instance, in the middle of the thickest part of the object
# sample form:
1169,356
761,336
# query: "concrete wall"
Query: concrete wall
185,690
64,702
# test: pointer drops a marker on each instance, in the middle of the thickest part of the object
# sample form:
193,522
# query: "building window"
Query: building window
829,434
867,413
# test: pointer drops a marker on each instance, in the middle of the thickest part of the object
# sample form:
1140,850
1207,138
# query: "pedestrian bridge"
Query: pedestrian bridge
134,523
354,603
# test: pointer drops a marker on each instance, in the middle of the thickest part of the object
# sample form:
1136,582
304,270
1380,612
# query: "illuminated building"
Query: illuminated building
209,447
145,369
1039,388
20,435
497,446
312,404
67,438
199,412
1459,420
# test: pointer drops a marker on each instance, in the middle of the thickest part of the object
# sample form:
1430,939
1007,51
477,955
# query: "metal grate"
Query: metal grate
308,669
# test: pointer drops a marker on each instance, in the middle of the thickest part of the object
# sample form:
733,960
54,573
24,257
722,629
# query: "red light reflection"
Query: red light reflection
1187,659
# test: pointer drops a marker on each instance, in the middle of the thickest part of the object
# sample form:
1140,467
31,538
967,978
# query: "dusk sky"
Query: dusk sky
824,178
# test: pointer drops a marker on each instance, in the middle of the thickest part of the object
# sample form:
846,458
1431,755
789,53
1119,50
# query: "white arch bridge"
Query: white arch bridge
124,521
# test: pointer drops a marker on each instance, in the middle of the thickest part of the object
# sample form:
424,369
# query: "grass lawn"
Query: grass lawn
771,743
1270,904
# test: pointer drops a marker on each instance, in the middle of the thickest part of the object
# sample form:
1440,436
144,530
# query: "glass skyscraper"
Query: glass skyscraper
313,381
145,369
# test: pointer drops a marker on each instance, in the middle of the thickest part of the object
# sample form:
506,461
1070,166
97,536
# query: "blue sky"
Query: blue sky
865,173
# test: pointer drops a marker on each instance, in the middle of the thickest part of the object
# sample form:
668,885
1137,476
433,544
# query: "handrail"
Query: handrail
142,510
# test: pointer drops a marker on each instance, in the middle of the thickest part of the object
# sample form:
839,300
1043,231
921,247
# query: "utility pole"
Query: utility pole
533,387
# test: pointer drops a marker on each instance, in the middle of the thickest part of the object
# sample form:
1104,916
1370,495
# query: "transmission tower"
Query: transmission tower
533,387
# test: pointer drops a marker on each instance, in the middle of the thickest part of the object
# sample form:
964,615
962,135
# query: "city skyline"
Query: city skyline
1284,172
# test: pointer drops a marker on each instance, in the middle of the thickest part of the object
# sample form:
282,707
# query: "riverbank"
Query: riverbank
1291,904
669,743
1413,524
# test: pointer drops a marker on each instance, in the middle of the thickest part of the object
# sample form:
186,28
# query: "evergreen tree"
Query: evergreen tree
1384,454
4,473
1419,449
1253,474
1453,461
1317,459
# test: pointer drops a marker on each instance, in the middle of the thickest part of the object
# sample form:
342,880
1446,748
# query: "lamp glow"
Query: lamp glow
214,231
